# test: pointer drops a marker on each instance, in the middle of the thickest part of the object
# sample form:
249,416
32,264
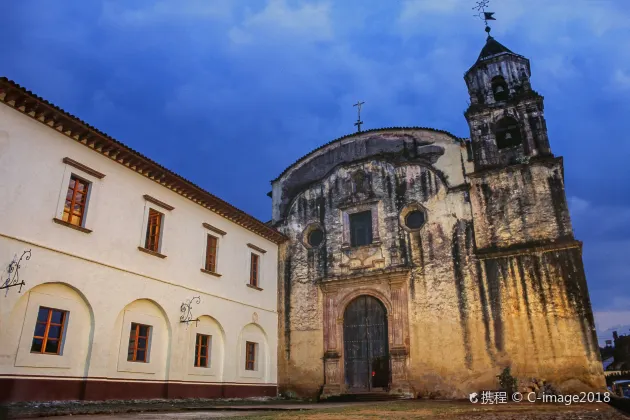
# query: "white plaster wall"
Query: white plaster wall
105,273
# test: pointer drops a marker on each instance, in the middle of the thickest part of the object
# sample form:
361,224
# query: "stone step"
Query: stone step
366,396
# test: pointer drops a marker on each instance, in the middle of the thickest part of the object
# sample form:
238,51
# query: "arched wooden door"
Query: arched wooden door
366,350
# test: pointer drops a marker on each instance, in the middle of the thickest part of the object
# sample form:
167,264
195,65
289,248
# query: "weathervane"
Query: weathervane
359,122
482,14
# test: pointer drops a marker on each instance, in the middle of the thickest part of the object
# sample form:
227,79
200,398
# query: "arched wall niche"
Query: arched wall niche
75,337
253,333
213,371
154,363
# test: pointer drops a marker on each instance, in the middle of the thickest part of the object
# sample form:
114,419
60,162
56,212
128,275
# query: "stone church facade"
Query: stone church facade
423,264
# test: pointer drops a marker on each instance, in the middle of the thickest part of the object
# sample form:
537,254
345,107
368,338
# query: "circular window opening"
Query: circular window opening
316,237
415,219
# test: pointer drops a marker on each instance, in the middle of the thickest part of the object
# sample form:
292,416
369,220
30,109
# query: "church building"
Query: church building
423,264
402,260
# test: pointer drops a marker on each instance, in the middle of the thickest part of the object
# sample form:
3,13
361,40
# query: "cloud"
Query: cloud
616,317
261,82
578,205
608,321
609,218
151,13
415,9
279,22
621,80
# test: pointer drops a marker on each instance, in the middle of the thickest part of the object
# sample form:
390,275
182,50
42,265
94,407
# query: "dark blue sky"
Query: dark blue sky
230,92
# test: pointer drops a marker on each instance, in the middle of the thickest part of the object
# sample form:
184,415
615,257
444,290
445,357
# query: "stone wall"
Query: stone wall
520,205
463,301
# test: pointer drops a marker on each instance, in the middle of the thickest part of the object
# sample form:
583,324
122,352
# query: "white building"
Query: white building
112,247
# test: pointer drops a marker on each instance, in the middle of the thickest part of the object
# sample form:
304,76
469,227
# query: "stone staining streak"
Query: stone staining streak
461,290
483,299
287,305
492,271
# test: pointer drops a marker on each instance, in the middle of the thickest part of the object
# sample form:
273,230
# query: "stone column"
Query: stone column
399,325
330,322
332,373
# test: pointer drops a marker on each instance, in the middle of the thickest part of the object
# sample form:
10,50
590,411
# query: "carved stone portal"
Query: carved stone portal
390,288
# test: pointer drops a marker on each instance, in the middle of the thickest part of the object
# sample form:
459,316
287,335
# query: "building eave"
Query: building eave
30,104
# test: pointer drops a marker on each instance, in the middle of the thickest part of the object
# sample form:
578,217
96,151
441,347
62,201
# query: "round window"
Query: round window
316,237
415,219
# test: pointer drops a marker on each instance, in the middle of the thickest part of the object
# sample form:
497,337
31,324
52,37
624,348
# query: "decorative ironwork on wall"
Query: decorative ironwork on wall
13,272
186,310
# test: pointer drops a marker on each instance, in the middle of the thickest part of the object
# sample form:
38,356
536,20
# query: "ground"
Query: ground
417,409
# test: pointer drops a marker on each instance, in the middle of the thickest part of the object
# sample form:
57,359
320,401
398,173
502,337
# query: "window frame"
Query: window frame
407,210
48,323
147,347
199,348
354,239
256,279
83,205
347,211
91,208
253,361
159,234
215,256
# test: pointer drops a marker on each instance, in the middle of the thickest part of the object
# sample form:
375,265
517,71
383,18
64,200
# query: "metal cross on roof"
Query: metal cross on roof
482,14
359,122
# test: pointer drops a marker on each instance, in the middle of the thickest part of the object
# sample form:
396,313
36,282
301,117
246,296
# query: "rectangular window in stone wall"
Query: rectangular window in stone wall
361,228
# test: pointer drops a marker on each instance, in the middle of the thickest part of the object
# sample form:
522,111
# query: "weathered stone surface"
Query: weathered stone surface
494,277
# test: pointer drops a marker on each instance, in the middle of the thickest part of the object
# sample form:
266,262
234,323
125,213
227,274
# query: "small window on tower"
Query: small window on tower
508,133
499,88
361,228
316,237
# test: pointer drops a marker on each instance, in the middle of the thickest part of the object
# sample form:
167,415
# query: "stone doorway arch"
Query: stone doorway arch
389,288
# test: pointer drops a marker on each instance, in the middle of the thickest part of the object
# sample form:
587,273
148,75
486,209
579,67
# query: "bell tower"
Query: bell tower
505,115
517,187
523,236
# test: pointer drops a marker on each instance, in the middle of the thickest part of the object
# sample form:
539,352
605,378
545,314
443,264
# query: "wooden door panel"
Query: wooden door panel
366,352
